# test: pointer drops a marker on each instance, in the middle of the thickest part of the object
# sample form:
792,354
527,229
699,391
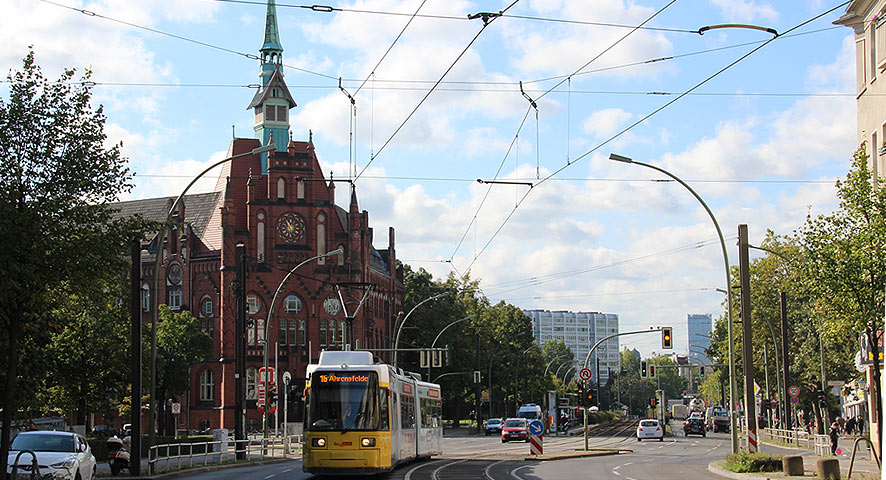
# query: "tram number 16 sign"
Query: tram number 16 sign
584,374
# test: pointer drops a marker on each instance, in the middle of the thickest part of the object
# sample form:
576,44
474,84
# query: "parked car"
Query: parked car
493,425
694,425
60,455
650,428
515,429
102,431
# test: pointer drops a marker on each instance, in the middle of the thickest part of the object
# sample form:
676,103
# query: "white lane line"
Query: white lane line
626,464
269,476
287,470
513,472
486,470
441,467
409,473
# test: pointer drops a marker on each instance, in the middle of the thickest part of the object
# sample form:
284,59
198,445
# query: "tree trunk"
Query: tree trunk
878,397
8,397
816,410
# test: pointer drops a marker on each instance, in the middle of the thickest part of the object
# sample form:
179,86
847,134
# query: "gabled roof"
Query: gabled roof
263,93
198,209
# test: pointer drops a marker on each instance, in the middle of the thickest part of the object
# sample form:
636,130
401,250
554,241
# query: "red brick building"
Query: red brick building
282,209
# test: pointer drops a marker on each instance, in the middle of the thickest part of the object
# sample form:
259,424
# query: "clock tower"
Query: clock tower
273,101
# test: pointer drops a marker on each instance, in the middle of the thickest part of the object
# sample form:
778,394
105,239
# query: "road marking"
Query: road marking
486,470
269,476
287,470
409,473
441,467
513,472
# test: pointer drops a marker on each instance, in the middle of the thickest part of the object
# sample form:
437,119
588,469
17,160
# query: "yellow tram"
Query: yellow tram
363,417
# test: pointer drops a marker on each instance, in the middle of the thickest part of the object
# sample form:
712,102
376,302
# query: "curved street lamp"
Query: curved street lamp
403,322
732,388
434,343
266,416
161,236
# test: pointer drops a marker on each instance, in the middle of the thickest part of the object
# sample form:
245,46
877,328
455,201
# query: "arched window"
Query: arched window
251,384
206,307
207,385
146,298
300,190
292,304
281,188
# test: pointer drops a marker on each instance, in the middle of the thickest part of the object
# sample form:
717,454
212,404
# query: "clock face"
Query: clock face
332,305
291,228
174,274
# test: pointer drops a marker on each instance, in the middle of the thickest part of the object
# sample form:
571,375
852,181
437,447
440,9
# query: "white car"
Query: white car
64,455
649,428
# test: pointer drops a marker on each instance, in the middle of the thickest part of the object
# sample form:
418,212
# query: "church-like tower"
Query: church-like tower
273,101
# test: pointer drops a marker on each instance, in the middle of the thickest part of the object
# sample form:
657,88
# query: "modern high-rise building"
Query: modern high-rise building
699,337
580,331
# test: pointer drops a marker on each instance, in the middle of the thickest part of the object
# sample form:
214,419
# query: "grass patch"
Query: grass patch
744,462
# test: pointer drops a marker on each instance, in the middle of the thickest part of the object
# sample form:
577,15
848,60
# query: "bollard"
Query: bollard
792,465
828,468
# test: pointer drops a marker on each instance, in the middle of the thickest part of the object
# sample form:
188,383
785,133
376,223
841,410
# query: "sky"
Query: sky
766,125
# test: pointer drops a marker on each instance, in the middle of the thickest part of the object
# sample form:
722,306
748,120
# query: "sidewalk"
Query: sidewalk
863,468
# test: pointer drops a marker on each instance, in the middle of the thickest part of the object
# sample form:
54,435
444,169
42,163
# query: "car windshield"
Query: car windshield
493,421
346,401
649,423
515,423
44,443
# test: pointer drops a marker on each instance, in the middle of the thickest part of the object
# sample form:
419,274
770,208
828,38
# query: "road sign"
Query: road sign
271,376
795,400
794,391
536,427
287,378
584,374
176,408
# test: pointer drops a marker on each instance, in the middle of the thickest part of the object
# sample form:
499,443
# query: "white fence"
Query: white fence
177,456
798,438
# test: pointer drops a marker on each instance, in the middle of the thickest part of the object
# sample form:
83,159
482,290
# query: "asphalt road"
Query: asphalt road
481,457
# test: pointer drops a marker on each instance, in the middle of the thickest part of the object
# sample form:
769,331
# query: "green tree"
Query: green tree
56,179
181,342
845,261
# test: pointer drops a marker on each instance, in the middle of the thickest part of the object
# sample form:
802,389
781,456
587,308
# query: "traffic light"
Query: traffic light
590,396
642,368
667,340
652,402
701,371
652,371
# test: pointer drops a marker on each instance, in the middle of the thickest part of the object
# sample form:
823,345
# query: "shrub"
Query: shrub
744,462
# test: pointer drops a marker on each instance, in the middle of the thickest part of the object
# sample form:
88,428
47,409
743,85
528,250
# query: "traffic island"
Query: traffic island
579,453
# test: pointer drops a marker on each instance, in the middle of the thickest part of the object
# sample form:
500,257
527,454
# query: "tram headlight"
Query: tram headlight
318,442
367,442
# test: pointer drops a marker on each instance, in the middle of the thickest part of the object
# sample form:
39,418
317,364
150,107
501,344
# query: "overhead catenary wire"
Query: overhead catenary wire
649,115
486,23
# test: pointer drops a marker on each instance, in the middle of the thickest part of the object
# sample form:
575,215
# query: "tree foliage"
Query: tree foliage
56,180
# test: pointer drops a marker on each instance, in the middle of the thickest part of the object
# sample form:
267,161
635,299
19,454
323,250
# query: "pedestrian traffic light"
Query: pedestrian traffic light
667,340
652,371
642,368
701,371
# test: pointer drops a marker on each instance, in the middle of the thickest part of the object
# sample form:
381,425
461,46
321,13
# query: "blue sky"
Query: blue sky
761,142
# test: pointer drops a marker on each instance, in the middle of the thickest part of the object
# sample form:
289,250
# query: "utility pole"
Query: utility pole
135,374
239,348
478,387
747,339
785,384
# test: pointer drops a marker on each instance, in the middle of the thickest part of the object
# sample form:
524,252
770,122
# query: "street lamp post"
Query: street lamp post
732,388
266,416
403,322
434,343
161,236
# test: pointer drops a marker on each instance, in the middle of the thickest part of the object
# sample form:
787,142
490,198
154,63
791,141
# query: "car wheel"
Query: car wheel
78,477
504,441
638,439
704,434
660,439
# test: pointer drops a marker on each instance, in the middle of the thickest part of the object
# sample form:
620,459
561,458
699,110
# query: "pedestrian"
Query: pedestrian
859,425
850,426
834,433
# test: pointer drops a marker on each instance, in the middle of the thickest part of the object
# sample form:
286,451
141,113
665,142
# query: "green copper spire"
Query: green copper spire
271,49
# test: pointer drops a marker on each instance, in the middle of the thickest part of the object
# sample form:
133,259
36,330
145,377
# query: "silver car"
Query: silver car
63,455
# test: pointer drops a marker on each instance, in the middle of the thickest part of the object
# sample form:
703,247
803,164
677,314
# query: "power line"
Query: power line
649,115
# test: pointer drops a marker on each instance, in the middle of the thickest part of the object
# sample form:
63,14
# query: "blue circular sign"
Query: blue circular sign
536,427
795,400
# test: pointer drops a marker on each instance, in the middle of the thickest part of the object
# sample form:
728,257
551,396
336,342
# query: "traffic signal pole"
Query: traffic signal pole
750,413
588,359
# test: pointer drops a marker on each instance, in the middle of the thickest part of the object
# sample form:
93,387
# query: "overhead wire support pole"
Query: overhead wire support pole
588,359
352,125
535,107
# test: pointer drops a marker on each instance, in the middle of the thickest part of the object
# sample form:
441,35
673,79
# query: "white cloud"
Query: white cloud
606,122
745,11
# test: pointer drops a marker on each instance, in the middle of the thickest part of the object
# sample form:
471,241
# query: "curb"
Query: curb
191,471
715,468
575,454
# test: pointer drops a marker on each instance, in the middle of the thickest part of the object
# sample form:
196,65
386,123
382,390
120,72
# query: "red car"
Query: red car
515,429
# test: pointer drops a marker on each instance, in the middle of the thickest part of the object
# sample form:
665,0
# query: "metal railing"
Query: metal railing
822,445
795,437
179,456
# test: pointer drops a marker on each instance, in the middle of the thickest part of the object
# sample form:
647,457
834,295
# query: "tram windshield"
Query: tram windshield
344,401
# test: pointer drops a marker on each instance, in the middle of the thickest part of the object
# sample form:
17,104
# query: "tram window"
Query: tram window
344,401
431,412
407,412
383,409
